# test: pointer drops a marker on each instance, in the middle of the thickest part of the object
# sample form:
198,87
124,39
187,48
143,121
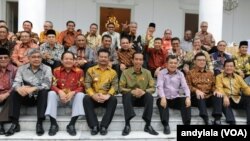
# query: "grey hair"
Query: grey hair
33,51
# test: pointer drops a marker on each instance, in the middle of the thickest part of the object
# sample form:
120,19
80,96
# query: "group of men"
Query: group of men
87,71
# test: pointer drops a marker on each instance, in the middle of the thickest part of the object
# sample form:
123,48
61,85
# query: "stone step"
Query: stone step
66,111
28,123
82,135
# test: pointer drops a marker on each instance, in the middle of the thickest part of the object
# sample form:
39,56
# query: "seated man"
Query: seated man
202,85
235,92
137,86
19,55
7,73
30,87
219,57
242,60
51,50
84,54
67,86
170,83
157,57
125,54
101,84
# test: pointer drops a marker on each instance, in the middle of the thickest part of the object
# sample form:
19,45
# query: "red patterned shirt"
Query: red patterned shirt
68,81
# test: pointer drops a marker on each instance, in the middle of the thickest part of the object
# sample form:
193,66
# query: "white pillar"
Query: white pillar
34,11
212,12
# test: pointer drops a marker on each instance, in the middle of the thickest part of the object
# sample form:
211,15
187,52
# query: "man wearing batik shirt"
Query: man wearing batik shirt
7,73
207,39
235,91
30,87
68,86
134,39
27,26
4,42
19,55
84,54
125,55
171,84
188,59
94,39
137,86
67,37
219,57
101,84
178,51
202,85
51,50
157,57
242,60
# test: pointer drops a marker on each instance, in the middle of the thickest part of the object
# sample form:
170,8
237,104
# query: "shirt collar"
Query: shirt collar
72,69
133,71
226,75
167,72
39,68
98,67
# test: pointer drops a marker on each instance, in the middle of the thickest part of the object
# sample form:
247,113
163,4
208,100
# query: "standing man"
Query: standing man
30,87
67,37
4,42
235,92
101,85
207,39
114,35
186,42
170,83
166,40
137,86
202,86
48,25
7,73
27,26
68,86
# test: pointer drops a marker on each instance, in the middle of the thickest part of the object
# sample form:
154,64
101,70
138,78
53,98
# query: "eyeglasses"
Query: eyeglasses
4,58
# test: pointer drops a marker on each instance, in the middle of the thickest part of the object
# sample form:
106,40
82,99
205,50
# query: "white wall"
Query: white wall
236,24
84,12
165,13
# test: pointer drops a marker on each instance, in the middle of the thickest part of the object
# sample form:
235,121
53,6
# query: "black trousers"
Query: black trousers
145,101
213,101
52,66
243,104
86,66
89,107
17,100
177,103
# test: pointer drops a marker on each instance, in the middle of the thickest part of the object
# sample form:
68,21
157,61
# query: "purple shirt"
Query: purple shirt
172,85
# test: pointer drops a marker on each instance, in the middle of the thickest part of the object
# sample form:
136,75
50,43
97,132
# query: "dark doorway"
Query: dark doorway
12,15
191,22
115,15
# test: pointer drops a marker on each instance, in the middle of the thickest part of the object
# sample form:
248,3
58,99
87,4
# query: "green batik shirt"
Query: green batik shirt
131,80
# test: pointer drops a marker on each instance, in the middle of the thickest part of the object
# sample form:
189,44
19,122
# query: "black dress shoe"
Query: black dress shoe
13,128
126,130
39,129
53,130
2,131
94,130
150,130
103,131
166,130
217,122
71,130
